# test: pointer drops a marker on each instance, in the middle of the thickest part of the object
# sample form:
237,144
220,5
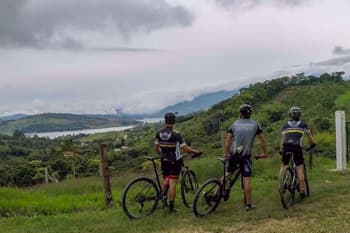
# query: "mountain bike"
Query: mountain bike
141,196
289,182
212,191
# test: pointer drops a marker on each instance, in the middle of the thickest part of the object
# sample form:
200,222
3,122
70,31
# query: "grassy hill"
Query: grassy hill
78,205
48,122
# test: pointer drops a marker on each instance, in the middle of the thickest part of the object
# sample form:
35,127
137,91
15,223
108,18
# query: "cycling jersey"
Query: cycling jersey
293,132
244,132
170,141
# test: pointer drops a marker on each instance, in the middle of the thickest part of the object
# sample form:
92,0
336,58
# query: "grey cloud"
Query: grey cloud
339,61
50,23
254,3
338,50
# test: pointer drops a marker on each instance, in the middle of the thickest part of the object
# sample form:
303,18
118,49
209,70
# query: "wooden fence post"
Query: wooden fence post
106,176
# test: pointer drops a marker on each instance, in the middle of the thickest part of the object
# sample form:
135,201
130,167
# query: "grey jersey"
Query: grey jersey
244,132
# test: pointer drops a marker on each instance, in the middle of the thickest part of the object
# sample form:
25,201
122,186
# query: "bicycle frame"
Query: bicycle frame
226,189
155,170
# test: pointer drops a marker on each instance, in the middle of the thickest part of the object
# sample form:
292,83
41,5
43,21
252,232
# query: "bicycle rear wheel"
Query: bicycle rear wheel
286,189
207,197
140,198
189,186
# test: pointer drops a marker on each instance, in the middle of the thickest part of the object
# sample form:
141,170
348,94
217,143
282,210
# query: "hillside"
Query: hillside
202,102
60,122
78,206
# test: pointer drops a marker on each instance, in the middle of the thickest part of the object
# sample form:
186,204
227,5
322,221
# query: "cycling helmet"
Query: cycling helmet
294,112
246,110
169,118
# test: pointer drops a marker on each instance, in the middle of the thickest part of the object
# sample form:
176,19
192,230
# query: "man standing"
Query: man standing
238,149
168,143
291,141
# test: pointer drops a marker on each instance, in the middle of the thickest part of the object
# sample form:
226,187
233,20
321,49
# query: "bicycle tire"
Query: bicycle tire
286,189
189,186
207,197
140,198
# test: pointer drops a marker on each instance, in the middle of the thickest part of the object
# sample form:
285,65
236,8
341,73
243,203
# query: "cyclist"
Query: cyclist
291,141
168,143
238,149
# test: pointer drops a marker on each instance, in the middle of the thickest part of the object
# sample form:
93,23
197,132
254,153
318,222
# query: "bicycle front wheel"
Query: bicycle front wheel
286,189
140,198
189,186
207,197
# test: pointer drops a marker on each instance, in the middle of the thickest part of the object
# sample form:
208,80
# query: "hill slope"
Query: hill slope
59,122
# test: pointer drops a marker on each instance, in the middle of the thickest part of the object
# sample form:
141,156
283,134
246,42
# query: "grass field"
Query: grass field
78,205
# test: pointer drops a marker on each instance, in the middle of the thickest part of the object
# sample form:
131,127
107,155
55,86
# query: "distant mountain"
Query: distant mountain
13,117
199,103
48,122
202,102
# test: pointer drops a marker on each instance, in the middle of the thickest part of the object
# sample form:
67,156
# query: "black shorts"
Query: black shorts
244,162
296,150
171,167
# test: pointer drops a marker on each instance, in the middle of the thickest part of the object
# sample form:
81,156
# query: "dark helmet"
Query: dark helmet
294,112
246,110
169,118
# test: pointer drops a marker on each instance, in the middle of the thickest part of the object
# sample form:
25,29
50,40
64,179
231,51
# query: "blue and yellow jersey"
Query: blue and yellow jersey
293,132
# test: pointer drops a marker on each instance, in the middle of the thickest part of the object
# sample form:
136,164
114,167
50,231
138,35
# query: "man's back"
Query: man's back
293,132
169,141
244,132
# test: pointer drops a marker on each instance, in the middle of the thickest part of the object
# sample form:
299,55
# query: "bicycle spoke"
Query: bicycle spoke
140,198
189,186
207,197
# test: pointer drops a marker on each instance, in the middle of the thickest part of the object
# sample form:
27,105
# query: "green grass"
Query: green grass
78,205
343,99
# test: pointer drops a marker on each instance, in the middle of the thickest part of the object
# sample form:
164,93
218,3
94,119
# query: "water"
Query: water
57,134
53,135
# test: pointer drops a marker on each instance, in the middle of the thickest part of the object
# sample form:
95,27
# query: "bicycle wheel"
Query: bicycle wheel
307,191
207,197
140,198
286,189
189,186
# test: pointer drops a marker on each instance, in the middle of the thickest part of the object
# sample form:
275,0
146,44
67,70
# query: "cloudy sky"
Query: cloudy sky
93,56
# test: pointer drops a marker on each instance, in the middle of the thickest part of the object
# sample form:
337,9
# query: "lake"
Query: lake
57,134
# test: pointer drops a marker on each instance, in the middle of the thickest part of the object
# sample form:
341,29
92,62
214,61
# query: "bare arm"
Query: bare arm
157,147
310,138
190,150
281,144
227,145
263,144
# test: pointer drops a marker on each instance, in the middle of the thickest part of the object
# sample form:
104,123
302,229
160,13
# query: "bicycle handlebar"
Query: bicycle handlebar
310,147
184,156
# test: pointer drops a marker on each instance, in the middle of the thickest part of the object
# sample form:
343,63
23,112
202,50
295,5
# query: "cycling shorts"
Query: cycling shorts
244,162
297,152
171,168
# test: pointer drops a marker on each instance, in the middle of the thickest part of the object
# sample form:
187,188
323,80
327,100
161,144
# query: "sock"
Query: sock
171,204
